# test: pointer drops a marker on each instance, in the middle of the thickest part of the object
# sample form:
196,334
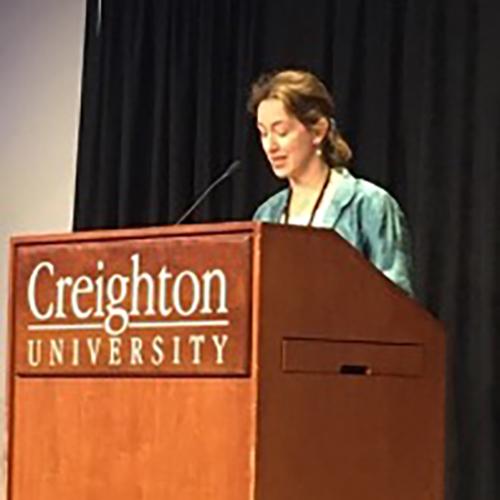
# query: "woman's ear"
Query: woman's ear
319,130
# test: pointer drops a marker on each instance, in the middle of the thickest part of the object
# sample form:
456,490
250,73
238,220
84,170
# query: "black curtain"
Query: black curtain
417,87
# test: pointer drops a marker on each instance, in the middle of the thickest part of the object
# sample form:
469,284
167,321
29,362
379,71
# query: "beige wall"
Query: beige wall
41,48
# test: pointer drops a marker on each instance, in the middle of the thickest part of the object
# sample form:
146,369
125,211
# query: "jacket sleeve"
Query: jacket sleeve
387,241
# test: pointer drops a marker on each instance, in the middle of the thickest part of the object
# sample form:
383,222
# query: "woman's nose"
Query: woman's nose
270,143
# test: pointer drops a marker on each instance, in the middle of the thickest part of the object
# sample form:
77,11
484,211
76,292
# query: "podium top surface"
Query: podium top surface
142,232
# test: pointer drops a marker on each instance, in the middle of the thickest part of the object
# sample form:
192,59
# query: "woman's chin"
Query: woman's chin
281,172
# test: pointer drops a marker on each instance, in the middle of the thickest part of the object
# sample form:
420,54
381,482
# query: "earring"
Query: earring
318,151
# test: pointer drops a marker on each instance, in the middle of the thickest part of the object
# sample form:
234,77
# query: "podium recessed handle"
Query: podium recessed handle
355,370
357,358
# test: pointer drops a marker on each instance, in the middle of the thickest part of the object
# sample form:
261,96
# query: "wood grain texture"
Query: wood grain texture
139,233
325,436
290,428
229,255
132,439
125,436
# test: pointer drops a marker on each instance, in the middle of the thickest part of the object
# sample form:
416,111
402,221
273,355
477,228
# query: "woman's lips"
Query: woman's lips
278,160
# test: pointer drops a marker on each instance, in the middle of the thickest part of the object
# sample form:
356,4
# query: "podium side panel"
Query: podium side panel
351,378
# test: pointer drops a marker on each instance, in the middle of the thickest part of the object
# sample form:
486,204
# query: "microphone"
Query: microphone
235,165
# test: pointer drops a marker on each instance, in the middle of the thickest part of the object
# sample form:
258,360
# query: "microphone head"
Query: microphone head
235,165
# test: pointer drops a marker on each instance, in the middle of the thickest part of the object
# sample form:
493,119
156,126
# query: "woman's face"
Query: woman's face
289,146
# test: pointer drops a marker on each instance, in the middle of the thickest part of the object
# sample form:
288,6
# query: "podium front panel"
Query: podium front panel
130,365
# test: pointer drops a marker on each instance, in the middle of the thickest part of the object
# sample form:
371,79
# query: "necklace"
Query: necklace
286,208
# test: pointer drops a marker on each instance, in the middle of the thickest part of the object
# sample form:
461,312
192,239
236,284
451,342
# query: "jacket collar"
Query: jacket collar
342,197
276,209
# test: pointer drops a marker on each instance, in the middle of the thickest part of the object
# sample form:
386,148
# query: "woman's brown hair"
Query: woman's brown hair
305,97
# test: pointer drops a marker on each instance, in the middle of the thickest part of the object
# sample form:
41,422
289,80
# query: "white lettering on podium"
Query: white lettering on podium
158,355
208,276
147,279
196,341
94,346
133,351
220,344
34,352
136,351
61,284
117,297
83,285
176,351
56,352
99,291
193,288
114,351
76,352
42,316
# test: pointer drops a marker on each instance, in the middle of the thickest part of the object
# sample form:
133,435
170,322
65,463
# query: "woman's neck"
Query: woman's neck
307,192
311,180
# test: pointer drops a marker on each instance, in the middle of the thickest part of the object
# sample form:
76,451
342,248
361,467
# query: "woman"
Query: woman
294,113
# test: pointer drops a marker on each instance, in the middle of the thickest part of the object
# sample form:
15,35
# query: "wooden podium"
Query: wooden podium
237,361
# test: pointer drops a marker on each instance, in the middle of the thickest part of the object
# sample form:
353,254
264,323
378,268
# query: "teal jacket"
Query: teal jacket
366,216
